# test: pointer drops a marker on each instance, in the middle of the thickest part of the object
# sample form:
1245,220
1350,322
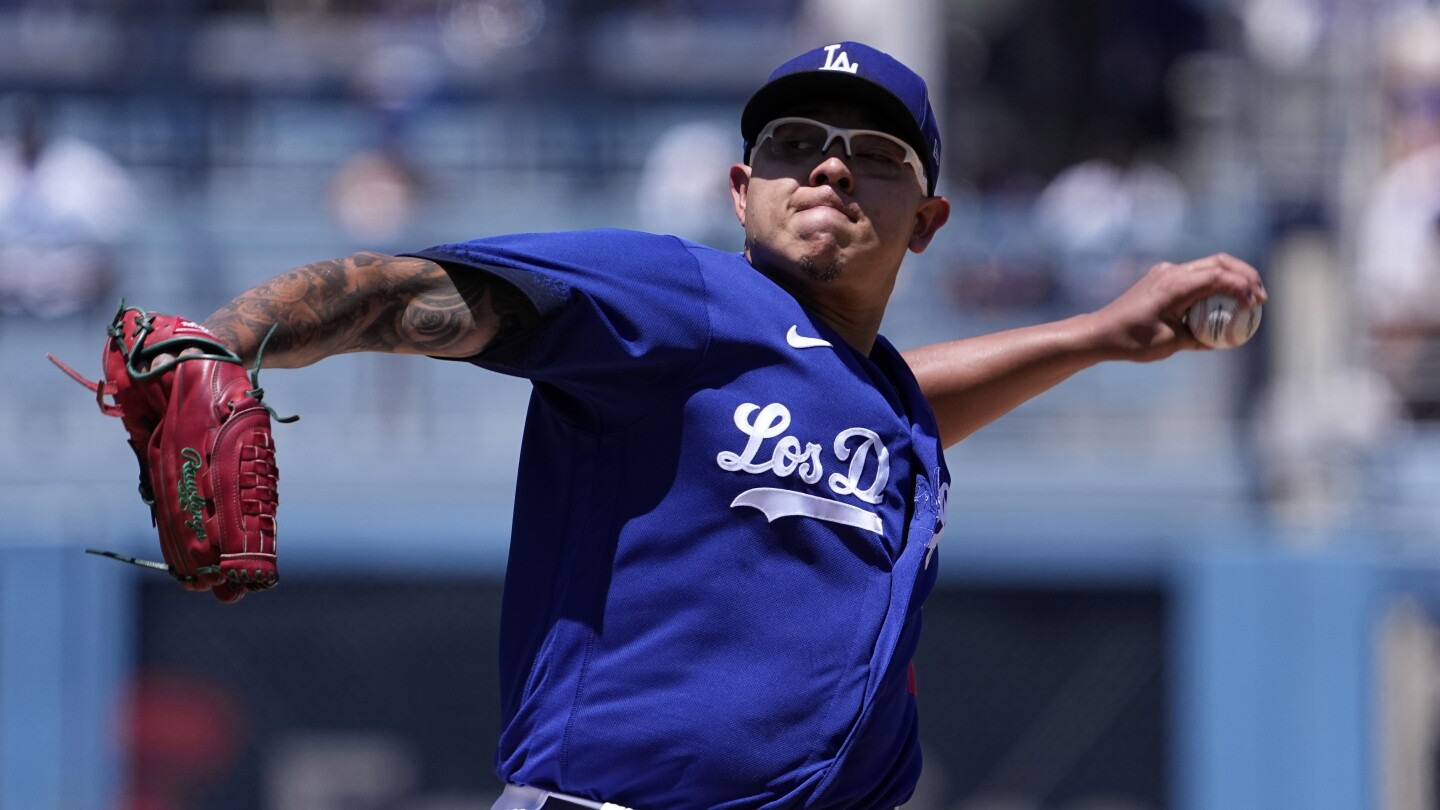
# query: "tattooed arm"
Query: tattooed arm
370,302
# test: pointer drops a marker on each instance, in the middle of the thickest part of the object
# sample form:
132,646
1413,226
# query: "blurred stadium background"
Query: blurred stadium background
1207,584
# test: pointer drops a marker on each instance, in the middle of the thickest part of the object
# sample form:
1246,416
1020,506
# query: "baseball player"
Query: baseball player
732,488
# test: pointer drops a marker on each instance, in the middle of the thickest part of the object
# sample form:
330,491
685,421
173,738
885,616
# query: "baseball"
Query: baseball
1220,323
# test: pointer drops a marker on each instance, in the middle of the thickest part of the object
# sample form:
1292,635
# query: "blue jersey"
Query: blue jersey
724,528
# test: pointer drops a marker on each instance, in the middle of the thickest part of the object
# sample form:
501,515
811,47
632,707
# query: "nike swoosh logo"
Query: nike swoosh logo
799,341
778,503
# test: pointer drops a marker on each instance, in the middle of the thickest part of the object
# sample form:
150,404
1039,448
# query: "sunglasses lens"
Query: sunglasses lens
797,139
881,148
872,154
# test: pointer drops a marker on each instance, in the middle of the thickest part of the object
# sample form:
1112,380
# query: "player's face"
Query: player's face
821,217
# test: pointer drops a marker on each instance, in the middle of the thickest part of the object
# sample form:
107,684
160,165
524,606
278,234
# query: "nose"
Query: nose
833,170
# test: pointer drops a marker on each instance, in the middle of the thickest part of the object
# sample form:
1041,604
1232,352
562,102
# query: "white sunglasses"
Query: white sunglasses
873,153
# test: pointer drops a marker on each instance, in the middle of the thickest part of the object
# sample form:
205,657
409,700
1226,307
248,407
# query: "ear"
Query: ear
739,189
933,213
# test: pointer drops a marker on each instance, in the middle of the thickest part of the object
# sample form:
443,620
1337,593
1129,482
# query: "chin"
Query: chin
823,270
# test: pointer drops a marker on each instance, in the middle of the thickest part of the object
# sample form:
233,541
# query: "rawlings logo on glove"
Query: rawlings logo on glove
202,436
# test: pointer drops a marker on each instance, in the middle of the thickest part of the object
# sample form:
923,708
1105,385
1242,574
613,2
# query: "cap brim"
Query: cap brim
818,87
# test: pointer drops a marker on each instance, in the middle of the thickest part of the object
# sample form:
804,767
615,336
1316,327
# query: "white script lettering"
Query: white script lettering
789,456
786,459
850,484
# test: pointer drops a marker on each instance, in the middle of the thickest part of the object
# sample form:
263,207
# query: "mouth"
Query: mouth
850,211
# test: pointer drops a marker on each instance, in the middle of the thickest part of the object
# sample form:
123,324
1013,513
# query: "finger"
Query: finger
1221,273
1251,277
159,361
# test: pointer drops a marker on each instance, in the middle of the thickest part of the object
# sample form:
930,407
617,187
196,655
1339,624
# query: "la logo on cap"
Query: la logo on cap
840,61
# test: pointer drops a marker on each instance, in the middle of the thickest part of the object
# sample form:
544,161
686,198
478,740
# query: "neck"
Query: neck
854,314
858,330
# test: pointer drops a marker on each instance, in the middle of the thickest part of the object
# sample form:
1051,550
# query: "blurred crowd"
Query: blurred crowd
176,151
1398,236
197,145
65,206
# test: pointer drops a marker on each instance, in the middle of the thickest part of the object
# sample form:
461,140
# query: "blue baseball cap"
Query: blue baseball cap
851,73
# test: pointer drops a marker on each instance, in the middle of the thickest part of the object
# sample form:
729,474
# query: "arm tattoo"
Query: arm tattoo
372,302
445,319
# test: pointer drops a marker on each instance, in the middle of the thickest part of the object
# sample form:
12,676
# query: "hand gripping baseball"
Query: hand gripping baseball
201,433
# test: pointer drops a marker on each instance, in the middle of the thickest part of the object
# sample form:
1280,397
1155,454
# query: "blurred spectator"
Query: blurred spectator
1398,255
1318,436
378,191
64,208
673,196
376,195
1107,223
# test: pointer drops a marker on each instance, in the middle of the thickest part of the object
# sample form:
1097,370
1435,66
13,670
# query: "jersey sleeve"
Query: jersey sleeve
623,315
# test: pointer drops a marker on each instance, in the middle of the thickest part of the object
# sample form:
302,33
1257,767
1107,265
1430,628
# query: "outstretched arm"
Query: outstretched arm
972,382
370,302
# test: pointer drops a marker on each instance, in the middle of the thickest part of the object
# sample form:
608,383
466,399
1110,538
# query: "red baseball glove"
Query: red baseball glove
202,436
